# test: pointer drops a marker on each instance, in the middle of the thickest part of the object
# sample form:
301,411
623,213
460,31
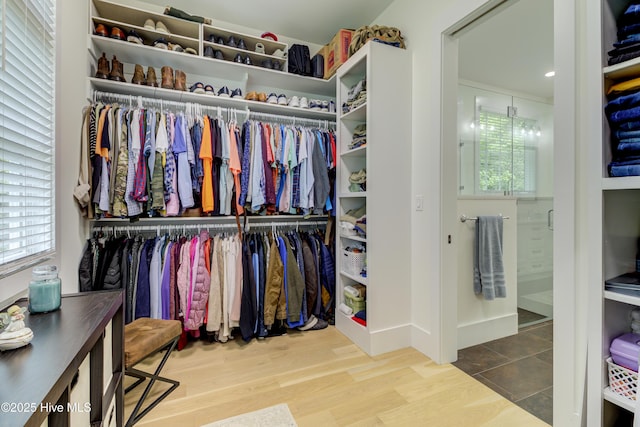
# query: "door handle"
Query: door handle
550,219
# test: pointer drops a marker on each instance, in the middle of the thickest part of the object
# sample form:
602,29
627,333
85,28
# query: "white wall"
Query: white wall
479,320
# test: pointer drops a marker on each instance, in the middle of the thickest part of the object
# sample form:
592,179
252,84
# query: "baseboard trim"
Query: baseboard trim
486,330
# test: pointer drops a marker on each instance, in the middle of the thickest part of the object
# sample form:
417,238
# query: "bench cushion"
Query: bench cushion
145,336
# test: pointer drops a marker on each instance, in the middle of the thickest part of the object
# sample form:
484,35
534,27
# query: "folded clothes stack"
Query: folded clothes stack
355,222
359,137
628,45
623,114
356,97
358,181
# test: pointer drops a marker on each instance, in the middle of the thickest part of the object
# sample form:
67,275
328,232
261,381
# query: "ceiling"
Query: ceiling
313,21
512,50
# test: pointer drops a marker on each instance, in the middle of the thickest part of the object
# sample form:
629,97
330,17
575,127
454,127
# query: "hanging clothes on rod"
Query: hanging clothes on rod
162,159
277,276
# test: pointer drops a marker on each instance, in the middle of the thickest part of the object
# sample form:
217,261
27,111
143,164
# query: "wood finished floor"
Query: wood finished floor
327,381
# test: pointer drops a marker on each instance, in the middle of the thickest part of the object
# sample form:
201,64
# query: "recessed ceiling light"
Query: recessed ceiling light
550,74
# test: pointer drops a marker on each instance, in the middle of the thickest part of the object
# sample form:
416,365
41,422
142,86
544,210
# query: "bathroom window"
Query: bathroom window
27,90
507,154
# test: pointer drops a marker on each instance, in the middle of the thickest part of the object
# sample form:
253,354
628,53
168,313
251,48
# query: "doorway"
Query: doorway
504,154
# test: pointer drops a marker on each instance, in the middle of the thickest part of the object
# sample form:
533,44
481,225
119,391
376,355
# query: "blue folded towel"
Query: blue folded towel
488,267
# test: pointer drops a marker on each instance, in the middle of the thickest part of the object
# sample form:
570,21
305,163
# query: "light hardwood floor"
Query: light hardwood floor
327,381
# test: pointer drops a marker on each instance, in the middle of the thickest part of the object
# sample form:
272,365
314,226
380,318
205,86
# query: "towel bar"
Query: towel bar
464,218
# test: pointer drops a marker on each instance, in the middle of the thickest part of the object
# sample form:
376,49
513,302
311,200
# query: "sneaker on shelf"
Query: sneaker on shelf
134,37
232,42
325,106
276,65
212,38
208,52
260,48
117,33
209,90
161,28
247,60
294,101
149,25
197,87
332,106
267,64
101,30
272,99
220,40
224,92
304,102
175,47
238,59
236,93
282,100
241,45
218,54
161,44
315,105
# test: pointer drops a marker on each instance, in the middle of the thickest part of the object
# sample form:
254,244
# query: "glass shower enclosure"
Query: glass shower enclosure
506,151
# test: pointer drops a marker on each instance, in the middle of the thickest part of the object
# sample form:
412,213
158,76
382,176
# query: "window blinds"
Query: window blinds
27,88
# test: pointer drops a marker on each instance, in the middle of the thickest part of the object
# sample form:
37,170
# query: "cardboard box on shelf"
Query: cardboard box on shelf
336,52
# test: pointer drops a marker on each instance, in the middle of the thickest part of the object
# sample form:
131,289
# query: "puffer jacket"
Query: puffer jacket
182,279
201,285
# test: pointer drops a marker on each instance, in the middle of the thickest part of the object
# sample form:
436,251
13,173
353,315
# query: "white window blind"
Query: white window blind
27,90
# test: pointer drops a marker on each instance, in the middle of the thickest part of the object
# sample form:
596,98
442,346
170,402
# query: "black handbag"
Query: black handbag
299,60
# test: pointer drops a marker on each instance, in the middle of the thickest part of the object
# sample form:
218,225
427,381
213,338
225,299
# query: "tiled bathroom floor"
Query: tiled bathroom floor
519,367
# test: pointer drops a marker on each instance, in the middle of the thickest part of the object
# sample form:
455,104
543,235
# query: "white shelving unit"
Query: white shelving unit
199,68
615,235
387,115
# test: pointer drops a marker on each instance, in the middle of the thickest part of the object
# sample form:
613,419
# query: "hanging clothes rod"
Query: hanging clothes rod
290,119
464,218
179,227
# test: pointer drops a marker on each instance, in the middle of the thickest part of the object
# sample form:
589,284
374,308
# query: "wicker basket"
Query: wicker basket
356,303
353,262
622,381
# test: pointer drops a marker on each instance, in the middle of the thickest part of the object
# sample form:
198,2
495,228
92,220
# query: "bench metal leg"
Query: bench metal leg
141,375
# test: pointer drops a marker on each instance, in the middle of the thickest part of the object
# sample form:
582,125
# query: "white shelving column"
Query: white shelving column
387,160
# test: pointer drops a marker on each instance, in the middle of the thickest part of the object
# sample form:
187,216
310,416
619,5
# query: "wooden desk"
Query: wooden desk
36,379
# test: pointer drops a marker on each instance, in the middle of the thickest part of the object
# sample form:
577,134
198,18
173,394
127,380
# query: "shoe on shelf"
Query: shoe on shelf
259,48
211,38
315,105
294,101
175,47
209,90
167,77
117,33
181,81
238,59
208,52
116,70
241,45
134,37
251,96
197,87
151,77
161,43
101,30
247,61
324,106
161,28
220,40
282,100
138,75
191,51
236,93
277,66
279,53
272,98
262,97
231,42
218,54
332,106
103,67
149,25
304,102
267,64
224,92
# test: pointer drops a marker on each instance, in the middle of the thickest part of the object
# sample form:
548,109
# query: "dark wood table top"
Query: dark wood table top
39,372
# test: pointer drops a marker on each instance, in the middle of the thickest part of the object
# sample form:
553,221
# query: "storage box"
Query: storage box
336,52
356,304
625,350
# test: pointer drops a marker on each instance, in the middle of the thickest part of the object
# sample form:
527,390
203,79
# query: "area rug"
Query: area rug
273,416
